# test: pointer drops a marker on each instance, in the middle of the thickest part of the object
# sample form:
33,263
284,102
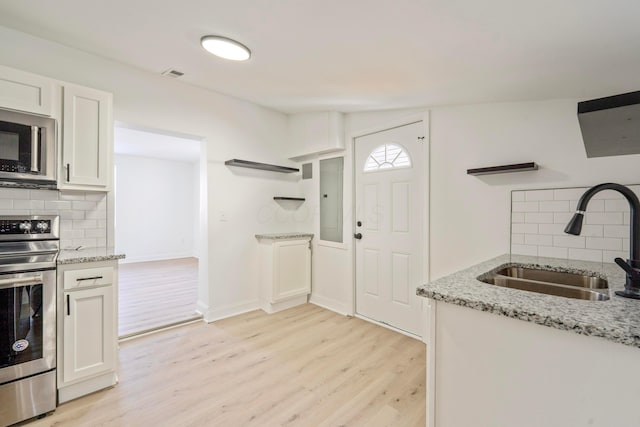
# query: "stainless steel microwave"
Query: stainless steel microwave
27,150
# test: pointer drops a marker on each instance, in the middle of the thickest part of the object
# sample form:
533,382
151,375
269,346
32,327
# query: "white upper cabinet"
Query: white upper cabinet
25,91
315,133
87,133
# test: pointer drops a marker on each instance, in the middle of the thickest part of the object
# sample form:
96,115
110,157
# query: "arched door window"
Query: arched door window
387,156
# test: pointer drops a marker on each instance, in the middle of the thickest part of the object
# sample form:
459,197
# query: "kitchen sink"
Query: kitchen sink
558,277
582,285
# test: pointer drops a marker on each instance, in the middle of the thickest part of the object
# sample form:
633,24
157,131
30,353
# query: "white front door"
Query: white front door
389,199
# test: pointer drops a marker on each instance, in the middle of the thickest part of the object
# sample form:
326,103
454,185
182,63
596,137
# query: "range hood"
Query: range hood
611,126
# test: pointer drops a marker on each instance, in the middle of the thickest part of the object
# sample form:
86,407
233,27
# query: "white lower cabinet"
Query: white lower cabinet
285,273
87,328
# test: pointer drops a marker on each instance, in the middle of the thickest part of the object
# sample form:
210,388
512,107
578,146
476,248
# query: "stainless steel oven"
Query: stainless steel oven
28,252
27,150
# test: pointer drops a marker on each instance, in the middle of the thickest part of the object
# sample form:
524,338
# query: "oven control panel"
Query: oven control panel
25,226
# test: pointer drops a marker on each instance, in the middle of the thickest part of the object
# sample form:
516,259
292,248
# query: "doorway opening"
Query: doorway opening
158,215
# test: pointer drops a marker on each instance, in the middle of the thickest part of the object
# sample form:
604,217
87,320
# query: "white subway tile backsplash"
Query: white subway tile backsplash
43,195
608,243
537,195
83,205
609,256
562,217
72,215
82,215
57,204
591,230
555,206
524,206
593,206
568,241
538,240
616,205
517,217
616,231
524,250
71,195
538,217
517,196
552,229
605,232
14,194
568,193
585,254
524,228
553,252
613,218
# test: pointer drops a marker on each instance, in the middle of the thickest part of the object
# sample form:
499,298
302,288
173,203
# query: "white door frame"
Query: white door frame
424,240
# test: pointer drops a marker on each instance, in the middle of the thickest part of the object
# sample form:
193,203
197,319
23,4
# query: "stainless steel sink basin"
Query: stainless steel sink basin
581,285
558,277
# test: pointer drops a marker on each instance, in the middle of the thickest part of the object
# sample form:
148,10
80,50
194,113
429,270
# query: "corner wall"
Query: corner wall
231,128
470,215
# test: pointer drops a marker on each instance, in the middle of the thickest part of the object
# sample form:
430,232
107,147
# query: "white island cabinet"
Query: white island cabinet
87,327
504,357
285,270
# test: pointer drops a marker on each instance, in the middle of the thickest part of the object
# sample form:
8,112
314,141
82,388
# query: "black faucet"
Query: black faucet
632,265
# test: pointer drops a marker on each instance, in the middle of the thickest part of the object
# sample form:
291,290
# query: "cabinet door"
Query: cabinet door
25,91
291,269
86,138
88,334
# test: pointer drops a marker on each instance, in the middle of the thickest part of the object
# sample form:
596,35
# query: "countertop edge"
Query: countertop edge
566,317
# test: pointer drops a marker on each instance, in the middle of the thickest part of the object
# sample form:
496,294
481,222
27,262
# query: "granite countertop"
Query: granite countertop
617,319
285,236
74,256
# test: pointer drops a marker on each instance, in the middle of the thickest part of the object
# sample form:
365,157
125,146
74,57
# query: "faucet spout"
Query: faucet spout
632,285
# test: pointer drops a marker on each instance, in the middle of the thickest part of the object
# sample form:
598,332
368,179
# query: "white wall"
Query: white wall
470,215
155,208
231,128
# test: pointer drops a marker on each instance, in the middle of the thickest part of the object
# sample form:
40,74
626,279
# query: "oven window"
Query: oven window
9,146
20,324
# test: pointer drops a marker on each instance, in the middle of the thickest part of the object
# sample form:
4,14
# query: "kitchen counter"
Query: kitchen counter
617,319
285,236
72,256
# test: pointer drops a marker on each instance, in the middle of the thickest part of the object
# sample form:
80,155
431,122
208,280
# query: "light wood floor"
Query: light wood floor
305,366
156,293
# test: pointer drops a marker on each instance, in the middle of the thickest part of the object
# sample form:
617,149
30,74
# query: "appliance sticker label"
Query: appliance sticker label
20,345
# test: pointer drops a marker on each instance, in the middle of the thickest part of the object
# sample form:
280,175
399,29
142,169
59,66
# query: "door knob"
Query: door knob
358,236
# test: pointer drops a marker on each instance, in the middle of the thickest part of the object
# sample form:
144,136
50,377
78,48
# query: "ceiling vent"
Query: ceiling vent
172,73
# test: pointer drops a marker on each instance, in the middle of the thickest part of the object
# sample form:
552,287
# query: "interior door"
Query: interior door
388,226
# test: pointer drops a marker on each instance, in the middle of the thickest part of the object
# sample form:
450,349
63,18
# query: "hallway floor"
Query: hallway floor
156,293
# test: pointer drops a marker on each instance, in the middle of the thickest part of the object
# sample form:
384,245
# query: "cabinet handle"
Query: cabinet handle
68,306
80,279
68,171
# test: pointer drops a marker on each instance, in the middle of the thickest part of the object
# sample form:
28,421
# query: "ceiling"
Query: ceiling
355,55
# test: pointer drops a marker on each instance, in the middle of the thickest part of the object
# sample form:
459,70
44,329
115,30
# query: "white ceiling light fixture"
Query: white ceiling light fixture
225,48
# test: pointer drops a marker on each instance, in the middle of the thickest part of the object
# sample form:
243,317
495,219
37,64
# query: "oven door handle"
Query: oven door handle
14,283
35,149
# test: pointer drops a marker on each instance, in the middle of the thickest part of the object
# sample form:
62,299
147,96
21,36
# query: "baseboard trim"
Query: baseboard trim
220,313
331,304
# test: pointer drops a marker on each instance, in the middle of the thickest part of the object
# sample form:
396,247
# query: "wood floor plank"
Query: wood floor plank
156,293
305,366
